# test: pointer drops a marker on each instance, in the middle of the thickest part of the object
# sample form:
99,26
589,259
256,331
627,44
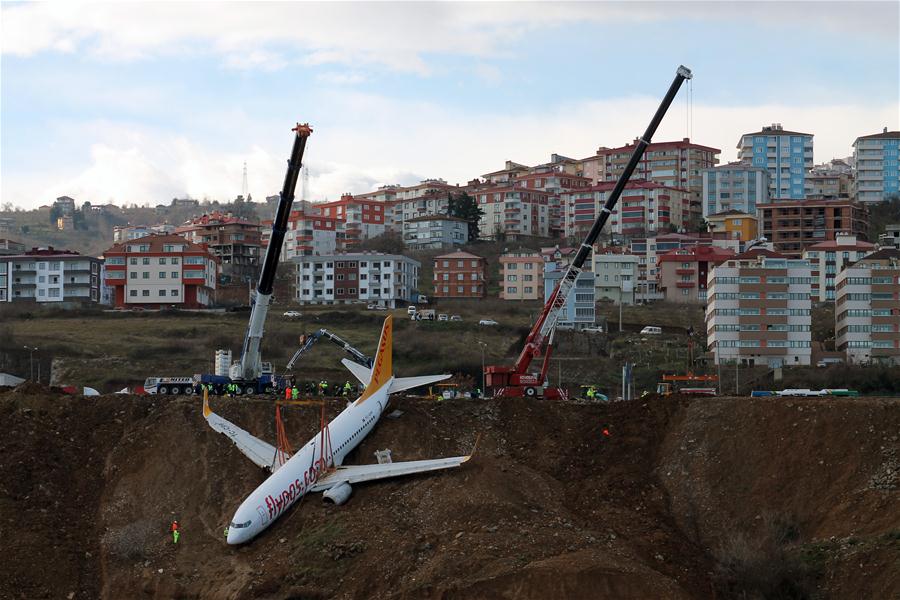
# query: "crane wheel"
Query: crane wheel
163,390
176,390
530,392
189,390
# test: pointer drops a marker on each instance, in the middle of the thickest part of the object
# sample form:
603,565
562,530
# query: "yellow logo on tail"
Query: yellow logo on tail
383,368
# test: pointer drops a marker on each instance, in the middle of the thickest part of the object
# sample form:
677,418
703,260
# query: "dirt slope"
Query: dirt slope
549,508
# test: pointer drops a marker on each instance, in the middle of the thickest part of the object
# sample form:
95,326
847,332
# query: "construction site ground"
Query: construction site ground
685,498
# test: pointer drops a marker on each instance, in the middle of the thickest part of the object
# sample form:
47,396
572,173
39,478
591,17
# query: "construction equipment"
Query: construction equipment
517,381
251,375
308,341
670,385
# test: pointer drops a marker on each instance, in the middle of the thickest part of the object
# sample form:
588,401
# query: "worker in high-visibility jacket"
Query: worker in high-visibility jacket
295,392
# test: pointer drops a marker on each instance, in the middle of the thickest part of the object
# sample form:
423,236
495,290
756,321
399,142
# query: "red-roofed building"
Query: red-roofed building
554,182
362,219
513,212
159,271
460,275
235,241
683,272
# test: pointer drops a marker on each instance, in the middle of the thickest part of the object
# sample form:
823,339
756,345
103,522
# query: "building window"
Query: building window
174,292
162,292
162,260
145,275
510,290
145,293
133,275
174,260
132,260
132,293
145,260
174,274
162,274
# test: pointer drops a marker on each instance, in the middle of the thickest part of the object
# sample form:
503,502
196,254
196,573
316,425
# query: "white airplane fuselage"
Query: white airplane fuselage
289,483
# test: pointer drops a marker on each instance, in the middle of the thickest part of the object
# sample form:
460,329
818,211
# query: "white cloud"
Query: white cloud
337,78
397,35
379,141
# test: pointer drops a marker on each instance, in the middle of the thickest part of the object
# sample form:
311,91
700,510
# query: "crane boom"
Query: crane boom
313,338
546,323
250,365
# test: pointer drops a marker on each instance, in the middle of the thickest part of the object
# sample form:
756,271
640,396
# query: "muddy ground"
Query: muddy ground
686,498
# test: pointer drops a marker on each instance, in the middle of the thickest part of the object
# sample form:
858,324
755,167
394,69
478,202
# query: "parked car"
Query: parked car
292,314
375,307
489,322
455,318
443,317
651,330
566,327
411,310
597,329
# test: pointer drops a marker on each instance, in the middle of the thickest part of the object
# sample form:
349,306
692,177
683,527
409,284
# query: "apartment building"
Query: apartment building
672,164
126,233
521,276
786,155
309,234
891,236
361,218
683,272
830,180
160,271
758,310
734,186
8,247
734,224
65,206
579,311
48,275
506,175
388,280
877,167
553,180
234,241
460,275
513,212
643,207
435,232
793,225
827,259
615,276
867,309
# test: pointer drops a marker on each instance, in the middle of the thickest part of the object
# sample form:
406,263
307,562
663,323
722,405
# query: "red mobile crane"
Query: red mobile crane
517,381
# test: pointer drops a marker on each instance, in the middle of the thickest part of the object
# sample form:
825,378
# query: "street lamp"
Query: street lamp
31,350
483,346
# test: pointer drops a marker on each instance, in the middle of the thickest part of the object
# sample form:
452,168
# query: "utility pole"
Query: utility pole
737,364
31,350
483,346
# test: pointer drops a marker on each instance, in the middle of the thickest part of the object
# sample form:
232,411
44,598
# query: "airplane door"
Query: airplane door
263,514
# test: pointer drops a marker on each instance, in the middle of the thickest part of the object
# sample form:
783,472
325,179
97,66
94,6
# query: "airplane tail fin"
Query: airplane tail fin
382,367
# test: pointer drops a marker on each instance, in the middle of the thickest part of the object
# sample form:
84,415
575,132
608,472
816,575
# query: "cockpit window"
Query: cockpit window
240,525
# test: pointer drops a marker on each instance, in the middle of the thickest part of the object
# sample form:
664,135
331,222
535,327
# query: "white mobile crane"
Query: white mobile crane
250,373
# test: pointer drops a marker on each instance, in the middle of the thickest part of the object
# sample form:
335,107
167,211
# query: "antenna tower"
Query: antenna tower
304,189
244,187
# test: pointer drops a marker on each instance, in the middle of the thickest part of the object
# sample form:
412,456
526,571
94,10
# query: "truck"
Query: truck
518,380
249,373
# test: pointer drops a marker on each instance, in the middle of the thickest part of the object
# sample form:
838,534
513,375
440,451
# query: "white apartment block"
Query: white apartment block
877,169
46,275
758,310
615,277
522,276
827,259
386,279
435,232
735,186
867,309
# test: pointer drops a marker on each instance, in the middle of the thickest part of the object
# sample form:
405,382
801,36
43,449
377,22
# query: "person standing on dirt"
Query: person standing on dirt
288,391
295,393
347,388
175,532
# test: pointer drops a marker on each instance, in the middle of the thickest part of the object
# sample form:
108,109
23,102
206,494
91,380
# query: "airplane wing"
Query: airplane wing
405,383
255,449
360,473
364,374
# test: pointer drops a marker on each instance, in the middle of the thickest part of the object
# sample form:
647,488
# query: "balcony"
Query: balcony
685,284
684,271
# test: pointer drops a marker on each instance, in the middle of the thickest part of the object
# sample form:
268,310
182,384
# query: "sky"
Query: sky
144,102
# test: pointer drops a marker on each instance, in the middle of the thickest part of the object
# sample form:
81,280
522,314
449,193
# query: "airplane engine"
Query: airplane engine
338,494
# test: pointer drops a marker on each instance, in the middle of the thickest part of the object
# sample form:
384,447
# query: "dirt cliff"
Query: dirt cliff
685,498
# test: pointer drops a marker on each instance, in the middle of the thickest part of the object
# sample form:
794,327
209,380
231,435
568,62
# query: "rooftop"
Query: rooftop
458,254
885,134
156,243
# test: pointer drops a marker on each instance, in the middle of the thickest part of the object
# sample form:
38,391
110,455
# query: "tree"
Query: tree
463,206
55,213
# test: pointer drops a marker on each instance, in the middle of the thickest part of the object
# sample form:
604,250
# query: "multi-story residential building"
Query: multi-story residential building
579,311
758,310
233,240
126,233
513,212
309,234
615,276
787,155
877,167
793,225
554,181
460,275
8,247
386,279
867,309
7,225
160,271
827,259
65,206
734,186
594,167
644,207
830,180
735,224
506,175
683,272
50,275
891,236
435,232
362,219
558,258
521,276
671,164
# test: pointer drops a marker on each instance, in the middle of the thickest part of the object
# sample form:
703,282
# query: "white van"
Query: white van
650,330
411,310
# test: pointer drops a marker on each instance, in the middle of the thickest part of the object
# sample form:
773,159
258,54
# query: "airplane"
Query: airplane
312,470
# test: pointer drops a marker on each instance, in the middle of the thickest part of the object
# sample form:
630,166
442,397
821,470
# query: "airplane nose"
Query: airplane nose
234,536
